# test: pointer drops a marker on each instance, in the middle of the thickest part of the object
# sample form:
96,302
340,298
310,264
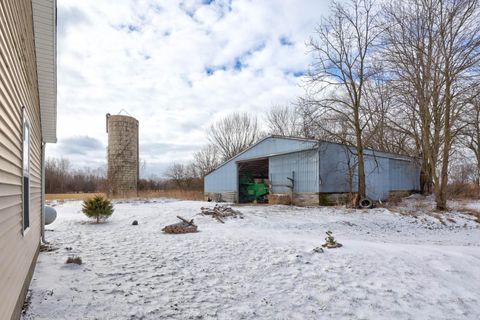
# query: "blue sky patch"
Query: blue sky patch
295,73
130,27
237,65
211,70
133,28
284,41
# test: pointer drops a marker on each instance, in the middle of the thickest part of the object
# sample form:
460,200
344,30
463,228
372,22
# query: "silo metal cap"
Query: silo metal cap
106,120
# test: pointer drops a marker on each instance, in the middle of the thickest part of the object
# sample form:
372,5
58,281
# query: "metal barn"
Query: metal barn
308,172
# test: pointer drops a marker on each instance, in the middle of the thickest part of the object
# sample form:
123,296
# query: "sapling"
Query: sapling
330,241
98,208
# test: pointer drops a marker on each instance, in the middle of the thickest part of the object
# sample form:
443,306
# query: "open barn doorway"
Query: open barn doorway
253,184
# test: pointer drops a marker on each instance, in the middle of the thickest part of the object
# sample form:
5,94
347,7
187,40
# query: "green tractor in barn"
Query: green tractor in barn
253,189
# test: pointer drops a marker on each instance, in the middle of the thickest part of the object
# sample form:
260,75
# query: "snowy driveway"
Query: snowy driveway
260,267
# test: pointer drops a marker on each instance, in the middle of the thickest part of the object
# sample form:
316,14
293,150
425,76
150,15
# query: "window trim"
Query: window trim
26,171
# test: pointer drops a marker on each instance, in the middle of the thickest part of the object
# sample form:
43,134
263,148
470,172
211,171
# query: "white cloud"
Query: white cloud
176,66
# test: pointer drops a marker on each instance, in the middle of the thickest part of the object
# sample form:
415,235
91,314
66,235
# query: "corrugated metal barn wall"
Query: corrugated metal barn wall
377,174
224,178
336,161
320,167
306,167
384,172
404,175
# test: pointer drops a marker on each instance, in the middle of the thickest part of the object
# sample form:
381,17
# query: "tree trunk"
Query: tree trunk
441,196
361,160
425,178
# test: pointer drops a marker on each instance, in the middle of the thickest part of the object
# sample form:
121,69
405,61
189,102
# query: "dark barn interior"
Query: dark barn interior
253,181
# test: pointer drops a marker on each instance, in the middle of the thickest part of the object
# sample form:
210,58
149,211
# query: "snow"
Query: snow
391,266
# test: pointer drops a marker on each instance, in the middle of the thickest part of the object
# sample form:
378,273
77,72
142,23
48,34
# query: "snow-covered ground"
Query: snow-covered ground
391,265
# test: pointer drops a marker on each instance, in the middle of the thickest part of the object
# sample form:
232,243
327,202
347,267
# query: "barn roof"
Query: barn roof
302,146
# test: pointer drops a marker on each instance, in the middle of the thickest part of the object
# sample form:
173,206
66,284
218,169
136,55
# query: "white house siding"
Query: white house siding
18,87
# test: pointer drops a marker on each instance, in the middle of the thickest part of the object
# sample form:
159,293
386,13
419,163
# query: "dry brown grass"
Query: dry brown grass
463,191
175,194
71,196
470,211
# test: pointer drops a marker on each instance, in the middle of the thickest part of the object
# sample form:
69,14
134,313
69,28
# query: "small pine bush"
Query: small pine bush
98,208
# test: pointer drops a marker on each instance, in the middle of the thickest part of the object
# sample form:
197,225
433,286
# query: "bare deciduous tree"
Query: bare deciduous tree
344,52
233,134
470,137
460,49
431,48
61,178
181,175
284,121
412,55
57,172
206,159
381,132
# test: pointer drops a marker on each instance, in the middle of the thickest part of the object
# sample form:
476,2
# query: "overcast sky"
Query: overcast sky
176,66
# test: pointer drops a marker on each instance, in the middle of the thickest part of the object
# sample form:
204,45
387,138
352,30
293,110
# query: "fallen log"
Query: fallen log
186,221
184,226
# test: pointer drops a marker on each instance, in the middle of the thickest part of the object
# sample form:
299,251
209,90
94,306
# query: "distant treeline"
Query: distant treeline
60,177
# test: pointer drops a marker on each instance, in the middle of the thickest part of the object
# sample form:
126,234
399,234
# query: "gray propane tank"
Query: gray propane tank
50,214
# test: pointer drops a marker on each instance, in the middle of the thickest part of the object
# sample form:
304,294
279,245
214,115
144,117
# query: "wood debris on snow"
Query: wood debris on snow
184,226
221,212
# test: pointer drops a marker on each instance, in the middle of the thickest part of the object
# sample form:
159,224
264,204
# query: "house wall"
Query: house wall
18,87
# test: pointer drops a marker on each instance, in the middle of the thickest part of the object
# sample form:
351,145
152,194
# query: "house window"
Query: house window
26,172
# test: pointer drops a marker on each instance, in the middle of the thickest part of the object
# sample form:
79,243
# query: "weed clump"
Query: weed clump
74,259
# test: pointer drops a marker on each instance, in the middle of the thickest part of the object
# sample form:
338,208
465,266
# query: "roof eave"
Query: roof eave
44,26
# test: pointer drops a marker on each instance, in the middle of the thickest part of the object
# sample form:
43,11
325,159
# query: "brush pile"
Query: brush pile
221,212
184,226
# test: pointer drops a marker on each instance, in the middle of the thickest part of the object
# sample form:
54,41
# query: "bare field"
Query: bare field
175,194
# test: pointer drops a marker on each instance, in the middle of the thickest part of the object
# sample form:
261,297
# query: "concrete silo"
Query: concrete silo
122,155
